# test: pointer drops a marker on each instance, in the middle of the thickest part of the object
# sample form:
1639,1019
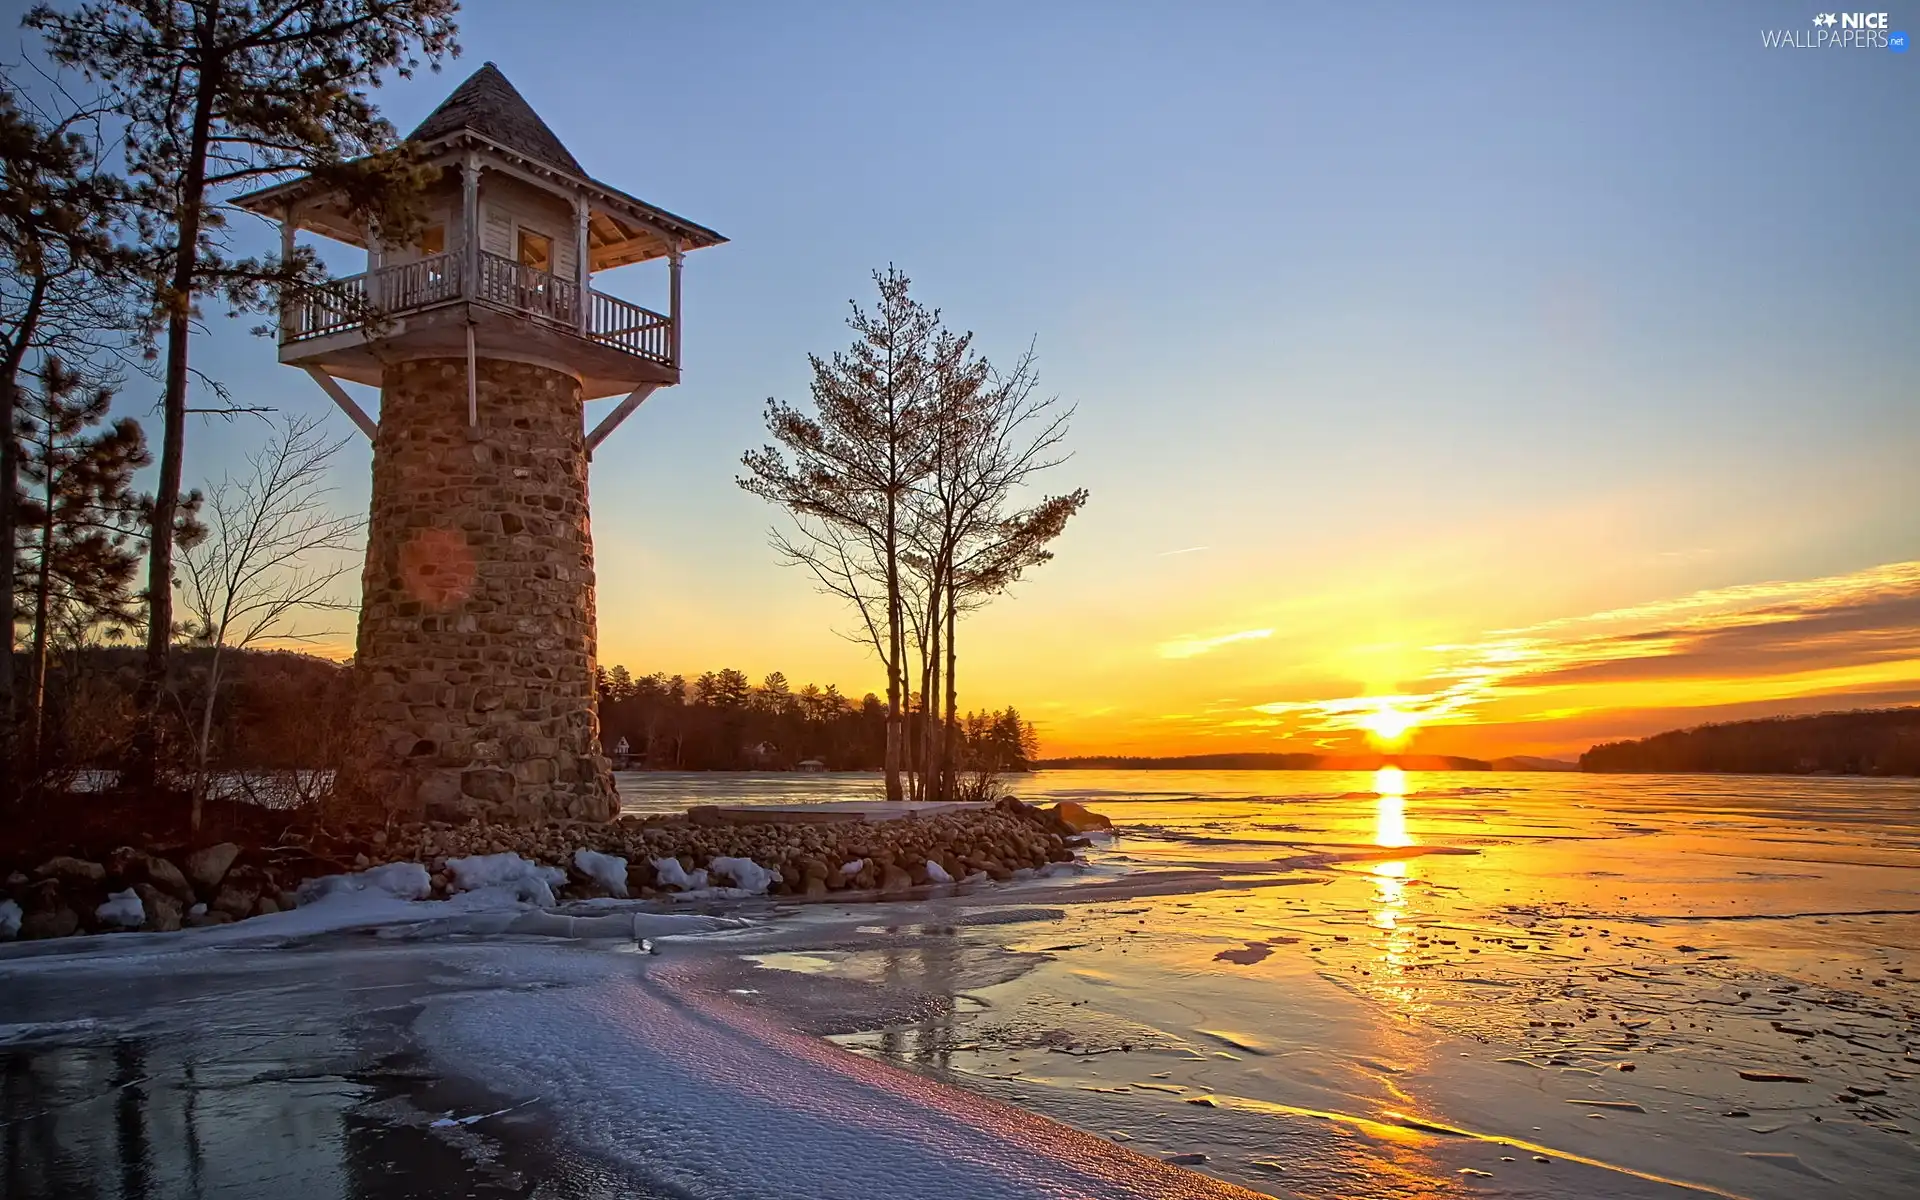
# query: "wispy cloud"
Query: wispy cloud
1186,550
1783,639
1191,647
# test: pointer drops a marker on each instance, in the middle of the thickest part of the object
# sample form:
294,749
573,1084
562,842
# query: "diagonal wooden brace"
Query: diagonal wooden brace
333,389
621,412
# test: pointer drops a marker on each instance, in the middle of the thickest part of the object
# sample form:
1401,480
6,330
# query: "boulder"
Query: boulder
893,880
152,869
237,900
208,866
163,909
68,869
1076,818
59,921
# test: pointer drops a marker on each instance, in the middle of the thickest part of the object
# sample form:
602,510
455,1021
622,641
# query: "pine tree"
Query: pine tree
60,293
81,528
216,96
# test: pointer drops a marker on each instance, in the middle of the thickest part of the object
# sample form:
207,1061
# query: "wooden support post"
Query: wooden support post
332,388
473,382
582,216
673,309
620,412
287,229
470,227
374,264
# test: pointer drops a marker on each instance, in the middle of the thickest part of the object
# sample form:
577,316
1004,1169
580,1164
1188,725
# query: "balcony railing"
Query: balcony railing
355,301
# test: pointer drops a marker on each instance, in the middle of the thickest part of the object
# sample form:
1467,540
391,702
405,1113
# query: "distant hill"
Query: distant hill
1265,762
1864,742
1529,762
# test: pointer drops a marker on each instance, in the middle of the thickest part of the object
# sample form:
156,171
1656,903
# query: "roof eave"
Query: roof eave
273,200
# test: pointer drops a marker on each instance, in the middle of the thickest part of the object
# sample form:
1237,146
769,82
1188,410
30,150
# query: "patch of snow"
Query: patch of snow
853,868
449,1121
529,882
122,910
708,1096
9,919
402,881
937,873
198,910
668,872
746,874
607,870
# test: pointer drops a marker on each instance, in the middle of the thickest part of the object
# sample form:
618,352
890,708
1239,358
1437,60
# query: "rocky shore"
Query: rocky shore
165,888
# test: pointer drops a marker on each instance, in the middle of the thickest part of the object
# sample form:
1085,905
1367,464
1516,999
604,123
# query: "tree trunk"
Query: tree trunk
930,703
895,646
952,737
42,602
9,546
203,748
166,500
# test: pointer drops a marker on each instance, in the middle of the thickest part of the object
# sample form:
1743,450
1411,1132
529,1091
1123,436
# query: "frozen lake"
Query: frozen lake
1328,985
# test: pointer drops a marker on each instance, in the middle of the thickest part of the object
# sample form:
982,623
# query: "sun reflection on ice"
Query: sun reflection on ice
1390,878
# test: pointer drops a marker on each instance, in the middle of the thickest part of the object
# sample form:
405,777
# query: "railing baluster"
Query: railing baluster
337,306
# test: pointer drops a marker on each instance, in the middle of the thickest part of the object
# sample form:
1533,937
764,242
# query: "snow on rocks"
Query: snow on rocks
607,870
746,874
516,865
401,880
528,882
122,910
668,872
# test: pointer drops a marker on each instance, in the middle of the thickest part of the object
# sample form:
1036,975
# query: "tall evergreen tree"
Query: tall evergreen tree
60,293
81,525
221,95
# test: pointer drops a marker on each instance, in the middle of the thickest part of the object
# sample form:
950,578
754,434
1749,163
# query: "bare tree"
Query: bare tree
273,553
902,487
991,435
847,471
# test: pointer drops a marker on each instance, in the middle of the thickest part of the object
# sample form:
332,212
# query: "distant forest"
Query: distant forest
722,721
281,709
1867,742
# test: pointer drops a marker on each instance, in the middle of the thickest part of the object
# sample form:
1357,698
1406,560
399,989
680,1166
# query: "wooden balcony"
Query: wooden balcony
426,308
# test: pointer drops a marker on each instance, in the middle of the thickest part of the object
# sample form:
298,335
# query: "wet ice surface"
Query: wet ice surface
1293,983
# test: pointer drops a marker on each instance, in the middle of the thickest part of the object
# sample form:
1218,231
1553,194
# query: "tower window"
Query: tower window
536,250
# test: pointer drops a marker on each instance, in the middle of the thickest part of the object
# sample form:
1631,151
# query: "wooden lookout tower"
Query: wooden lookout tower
485,337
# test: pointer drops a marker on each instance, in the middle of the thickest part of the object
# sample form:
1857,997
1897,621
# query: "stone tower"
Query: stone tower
486,339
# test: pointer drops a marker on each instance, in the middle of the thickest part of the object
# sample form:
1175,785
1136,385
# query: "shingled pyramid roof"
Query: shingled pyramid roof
490,106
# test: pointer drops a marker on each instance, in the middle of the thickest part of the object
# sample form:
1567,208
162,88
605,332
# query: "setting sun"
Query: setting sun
1388,725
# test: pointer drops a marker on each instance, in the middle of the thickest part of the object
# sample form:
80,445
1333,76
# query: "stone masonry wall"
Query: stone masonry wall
476,646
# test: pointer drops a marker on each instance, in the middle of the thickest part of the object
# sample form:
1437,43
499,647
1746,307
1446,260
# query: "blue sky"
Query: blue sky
1424,320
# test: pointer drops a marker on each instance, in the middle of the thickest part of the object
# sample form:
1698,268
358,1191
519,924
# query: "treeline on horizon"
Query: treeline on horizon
282,709
723,721
1882,741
